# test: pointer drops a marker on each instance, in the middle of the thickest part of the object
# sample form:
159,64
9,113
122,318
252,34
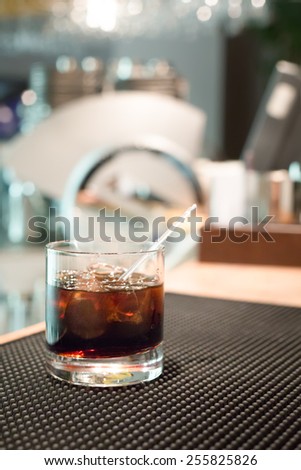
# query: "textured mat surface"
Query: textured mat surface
232,380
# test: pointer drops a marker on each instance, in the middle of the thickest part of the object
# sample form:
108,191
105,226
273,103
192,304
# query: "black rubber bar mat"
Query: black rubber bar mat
232,380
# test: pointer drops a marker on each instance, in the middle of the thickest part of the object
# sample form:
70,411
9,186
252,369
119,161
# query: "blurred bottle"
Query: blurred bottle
34,101
295,177
154,75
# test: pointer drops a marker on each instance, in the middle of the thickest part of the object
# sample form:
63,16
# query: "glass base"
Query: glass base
107,372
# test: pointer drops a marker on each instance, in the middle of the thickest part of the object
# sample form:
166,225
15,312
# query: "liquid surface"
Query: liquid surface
93,315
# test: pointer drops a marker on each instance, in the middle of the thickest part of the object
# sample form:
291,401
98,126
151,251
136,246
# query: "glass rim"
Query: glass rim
58,247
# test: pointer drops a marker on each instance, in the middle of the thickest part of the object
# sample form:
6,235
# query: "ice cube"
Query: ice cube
132,314
67,279
100,267
85,316
131,306
105,273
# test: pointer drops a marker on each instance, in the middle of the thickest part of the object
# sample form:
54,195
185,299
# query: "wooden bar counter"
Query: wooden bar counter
277,285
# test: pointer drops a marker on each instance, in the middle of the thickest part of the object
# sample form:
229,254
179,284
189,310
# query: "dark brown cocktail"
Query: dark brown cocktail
103,317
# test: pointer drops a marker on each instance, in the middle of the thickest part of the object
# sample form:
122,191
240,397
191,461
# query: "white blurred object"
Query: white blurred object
227,193
224,187
48,155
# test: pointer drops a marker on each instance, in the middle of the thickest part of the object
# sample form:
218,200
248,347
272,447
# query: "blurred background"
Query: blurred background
147,106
